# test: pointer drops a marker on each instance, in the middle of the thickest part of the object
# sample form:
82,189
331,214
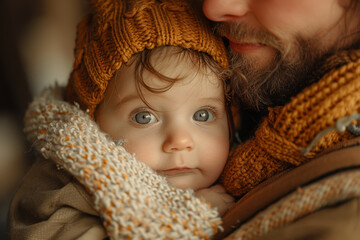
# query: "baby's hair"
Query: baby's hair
201,60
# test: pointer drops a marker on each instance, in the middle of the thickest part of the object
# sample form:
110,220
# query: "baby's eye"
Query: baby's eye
144,117
203,115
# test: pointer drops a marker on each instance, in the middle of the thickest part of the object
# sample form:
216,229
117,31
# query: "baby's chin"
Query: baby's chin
185,183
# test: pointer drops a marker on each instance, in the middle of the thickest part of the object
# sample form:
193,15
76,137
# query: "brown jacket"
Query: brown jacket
51,204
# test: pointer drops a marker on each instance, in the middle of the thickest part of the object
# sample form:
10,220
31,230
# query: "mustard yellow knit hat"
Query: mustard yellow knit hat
115,30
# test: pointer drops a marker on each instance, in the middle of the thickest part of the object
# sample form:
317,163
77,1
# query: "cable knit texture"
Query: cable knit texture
133,201
288,129
116,30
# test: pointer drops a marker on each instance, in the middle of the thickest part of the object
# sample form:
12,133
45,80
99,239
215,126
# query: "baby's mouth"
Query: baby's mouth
176,171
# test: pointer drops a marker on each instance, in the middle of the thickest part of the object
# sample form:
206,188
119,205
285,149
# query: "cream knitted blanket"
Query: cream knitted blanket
132,200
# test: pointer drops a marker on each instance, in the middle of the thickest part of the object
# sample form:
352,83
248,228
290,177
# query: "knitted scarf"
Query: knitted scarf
132,200
288,130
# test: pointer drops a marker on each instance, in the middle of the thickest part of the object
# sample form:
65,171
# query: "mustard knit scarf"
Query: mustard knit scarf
287,130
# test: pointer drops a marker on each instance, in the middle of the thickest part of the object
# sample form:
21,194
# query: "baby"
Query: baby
150,126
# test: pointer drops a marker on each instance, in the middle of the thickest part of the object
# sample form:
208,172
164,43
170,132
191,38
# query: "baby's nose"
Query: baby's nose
178,140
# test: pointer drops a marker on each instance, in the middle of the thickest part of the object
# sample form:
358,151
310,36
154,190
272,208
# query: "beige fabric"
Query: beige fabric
338,222
51,204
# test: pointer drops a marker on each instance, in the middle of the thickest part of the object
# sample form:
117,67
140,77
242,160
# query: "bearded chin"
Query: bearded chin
257,89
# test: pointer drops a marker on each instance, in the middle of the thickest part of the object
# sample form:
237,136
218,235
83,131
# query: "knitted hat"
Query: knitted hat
115,30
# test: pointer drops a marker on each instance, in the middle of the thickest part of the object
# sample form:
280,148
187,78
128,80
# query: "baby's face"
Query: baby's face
185,136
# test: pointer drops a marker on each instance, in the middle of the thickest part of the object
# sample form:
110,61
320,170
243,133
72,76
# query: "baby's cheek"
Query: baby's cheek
217,156
144,152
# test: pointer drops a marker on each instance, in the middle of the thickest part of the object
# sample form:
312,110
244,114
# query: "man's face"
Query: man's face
275,43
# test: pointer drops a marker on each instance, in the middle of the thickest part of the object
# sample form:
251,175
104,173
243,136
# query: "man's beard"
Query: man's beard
257,88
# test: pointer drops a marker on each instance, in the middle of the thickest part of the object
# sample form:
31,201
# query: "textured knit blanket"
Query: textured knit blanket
132,200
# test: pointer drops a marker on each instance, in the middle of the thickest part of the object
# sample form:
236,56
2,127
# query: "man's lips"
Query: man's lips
244,47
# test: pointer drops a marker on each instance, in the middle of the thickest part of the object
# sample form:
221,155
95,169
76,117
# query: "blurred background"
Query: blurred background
37,38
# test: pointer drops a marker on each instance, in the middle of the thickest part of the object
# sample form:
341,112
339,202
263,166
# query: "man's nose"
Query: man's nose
178,140
225,10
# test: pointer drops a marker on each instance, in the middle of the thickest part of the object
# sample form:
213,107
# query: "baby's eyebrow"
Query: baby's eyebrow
213,99
128,98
